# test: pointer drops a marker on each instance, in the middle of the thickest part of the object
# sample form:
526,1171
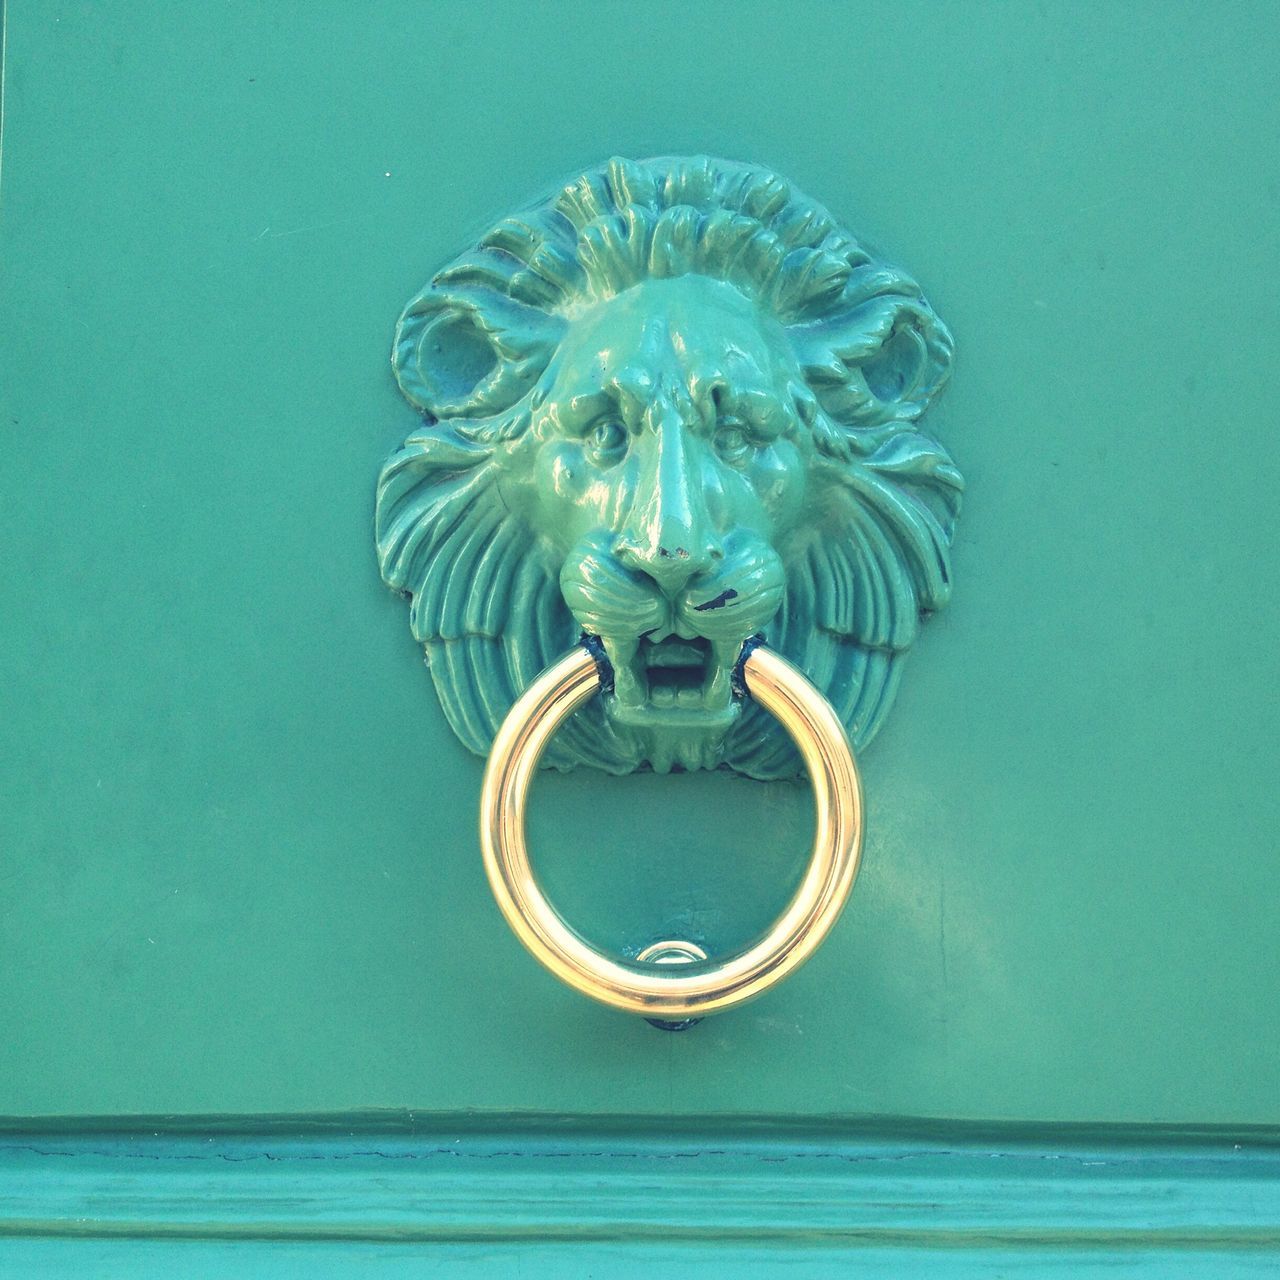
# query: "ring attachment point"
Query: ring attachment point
672,951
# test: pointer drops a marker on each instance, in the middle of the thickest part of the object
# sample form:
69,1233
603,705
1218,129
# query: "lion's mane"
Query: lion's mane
471,352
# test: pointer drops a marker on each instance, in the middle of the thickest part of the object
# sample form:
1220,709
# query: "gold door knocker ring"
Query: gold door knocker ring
673,980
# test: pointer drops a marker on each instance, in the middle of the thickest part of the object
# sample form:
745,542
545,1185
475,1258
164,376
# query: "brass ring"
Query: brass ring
689,990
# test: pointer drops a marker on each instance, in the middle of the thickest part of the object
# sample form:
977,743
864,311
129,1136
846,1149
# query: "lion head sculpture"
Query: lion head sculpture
673,406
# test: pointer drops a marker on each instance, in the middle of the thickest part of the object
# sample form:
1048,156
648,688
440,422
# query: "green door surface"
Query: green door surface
259,1014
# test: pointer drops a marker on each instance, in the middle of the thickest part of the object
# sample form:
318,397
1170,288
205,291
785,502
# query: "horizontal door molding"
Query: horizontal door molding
399,1179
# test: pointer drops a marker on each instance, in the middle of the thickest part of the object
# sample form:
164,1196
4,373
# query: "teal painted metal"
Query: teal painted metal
673,405
615,1194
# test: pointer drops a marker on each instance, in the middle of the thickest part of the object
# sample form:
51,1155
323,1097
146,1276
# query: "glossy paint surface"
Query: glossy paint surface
672,405
237,838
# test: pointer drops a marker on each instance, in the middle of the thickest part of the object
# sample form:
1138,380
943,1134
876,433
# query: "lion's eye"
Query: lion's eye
731,442
606,442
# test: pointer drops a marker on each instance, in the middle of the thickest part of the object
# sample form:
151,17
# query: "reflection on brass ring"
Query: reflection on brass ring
689,990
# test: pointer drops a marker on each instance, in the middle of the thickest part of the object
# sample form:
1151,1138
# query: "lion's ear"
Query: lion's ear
463,350
879,360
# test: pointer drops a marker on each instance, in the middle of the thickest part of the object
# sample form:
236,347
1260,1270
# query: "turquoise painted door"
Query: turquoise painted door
243,910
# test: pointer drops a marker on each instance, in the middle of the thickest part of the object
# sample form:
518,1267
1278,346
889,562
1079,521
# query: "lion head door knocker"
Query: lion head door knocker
670,457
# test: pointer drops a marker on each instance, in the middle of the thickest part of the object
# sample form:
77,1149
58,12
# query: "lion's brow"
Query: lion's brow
581,410
631,387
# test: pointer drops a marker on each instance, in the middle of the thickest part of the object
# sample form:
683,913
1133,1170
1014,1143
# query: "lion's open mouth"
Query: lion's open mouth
675,671
675,680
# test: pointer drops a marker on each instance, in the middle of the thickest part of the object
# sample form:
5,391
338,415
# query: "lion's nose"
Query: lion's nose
671,562
669,534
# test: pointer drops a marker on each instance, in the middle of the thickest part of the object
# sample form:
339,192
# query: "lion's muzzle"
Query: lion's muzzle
673,653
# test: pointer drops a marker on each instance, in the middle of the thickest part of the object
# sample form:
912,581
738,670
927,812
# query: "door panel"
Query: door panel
239,842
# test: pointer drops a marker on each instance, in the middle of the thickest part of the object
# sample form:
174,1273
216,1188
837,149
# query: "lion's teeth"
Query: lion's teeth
719,687
662,695
689,698
725,653
628,686
718,690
